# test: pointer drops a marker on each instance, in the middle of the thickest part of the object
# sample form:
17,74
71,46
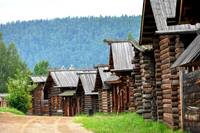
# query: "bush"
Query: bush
19,91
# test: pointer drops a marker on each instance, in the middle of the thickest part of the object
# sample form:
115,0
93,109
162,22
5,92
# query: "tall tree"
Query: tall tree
41,68
10,61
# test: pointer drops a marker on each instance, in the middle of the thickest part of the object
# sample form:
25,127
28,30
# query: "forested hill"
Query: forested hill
68,41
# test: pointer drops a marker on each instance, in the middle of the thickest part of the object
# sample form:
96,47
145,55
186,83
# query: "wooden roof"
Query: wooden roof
112,79
65,78
190,54
168,17
88,82
38,79
121,54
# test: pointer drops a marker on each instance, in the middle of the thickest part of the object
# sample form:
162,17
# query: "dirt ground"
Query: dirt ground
10,123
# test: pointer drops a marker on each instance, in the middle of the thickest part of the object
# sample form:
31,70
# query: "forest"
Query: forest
70,41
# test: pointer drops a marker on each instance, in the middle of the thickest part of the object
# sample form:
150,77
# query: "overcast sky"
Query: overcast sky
12,10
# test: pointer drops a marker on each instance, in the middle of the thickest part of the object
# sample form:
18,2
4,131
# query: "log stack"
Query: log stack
137,83
147,76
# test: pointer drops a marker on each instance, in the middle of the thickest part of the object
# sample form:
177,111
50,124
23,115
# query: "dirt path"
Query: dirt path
10,123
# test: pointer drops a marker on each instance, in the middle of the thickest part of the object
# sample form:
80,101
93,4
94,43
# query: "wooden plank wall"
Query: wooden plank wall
37,97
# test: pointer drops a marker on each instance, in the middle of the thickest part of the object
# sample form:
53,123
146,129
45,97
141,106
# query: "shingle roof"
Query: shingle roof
190,54
122,55
88,82
65,78
38,79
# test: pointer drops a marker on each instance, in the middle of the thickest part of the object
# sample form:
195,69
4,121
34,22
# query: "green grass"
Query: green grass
122,123
11,110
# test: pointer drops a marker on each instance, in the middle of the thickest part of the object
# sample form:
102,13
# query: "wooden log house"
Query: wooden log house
3,102
103,89
170,26
121,67
86,98
61,86
39,101
189,65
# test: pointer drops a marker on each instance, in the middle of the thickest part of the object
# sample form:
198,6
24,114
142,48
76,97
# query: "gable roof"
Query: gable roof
122,54
190,54
164,9
38,79
104,75
88,82
158,14
65,78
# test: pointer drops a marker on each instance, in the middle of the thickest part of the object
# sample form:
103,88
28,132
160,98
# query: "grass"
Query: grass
122,123
11,110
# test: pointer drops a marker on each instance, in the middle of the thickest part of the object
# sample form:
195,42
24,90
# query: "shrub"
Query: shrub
19,89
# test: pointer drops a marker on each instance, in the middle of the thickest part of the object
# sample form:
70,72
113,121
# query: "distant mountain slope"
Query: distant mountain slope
68,41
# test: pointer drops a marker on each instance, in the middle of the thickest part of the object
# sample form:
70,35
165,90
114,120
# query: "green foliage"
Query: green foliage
10,61
122,123
11,110
19,89
72,40
41,68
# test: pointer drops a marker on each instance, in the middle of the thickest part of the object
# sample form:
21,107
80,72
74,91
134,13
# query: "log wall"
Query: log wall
148,85
106,100
137,83
170,48
159,103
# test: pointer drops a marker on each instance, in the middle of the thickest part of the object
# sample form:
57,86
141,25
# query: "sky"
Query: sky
23,10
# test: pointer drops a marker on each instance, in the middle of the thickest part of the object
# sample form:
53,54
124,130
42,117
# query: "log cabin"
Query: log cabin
170,26
3,102
102,88
121,81
61,85
39,101
86,98
188,64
